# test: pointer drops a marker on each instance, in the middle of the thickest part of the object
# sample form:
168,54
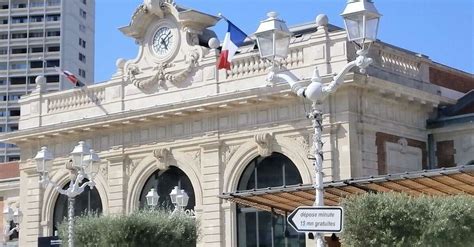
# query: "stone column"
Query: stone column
212,228
116,180
31,204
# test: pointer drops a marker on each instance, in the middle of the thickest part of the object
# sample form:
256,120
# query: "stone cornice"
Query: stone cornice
199,106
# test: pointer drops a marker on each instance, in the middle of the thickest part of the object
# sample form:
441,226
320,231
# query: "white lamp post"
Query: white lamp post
179,198
362,20
85,165
10,214
152,198
273,38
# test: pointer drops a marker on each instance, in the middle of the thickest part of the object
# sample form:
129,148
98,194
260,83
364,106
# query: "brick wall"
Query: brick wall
9,170
1,218
382,138
450,80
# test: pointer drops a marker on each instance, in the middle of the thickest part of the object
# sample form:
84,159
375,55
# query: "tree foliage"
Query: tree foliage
393,219
142,228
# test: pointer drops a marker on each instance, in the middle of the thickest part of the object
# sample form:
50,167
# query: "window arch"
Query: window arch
256,228
164,181
87,202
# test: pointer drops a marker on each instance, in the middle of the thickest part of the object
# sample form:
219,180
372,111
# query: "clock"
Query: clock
163,42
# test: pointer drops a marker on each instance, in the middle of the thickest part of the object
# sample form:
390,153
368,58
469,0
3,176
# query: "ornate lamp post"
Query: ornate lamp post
84,165
152,198
10,214
179,198
361,18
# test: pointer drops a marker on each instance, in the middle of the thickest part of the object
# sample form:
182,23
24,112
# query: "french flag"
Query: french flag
233,39
70,76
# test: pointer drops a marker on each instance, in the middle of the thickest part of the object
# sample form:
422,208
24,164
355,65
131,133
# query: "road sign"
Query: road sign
317,219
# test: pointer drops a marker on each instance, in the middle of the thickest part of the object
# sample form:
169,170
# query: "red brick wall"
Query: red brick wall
1,216
380,140
445,153
9,170
450,80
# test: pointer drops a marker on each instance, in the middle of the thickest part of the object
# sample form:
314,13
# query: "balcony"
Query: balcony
18,26
36,25
18,11
36,10
18,42
17,72
53,39
17,88
18,57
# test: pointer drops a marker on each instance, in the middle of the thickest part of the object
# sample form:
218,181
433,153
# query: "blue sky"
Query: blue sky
440,29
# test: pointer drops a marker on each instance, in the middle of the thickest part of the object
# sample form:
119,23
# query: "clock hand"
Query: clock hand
163,42
167,35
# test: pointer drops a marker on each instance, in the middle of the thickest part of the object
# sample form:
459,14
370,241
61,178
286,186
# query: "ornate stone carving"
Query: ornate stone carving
163,73
130,165
162,155
264,143
132,72
195,155
227,152
104,171
403,145
303,140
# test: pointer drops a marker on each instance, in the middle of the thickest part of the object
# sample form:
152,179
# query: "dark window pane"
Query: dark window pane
87,202
164,182
254,227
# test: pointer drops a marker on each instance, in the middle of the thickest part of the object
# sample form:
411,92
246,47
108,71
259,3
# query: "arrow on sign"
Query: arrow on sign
317,219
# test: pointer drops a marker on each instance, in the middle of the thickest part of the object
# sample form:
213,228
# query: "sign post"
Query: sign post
317,219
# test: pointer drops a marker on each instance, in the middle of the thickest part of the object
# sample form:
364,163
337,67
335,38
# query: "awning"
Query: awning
438,182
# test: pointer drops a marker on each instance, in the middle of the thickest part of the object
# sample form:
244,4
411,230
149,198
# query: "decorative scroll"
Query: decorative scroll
264,142
162,74
162,155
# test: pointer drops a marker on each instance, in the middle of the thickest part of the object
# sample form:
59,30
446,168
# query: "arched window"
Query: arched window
85,203
164,182
257,228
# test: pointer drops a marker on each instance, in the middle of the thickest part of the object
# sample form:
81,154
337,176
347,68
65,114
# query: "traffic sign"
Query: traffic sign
317,219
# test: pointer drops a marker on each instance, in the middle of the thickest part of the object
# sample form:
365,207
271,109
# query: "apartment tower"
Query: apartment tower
35,37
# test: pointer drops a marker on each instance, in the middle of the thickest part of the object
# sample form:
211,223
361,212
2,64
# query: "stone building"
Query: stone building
169,118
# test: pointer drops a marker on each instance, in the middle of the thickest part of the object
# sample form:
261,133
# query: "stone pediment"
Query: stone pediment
172,40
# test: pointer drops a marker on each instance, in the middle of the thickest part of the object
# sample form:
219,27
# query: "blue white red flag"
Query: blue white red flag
233,39
70,76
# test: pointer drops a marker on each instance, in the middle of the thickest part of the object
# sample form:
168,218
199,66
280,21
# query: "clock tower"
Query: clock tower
172,40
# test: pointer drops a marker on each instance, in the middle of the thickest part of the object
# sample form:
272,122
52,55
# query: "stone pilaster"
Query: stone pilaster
116,180
212,214
31,203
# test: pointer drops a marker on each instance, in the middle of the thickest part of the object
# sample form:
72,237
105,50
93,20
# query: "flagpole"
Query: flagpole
222,16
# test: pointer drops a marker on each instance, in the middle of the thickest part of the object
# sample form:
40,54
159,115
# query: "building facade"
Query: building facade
35,37
169,118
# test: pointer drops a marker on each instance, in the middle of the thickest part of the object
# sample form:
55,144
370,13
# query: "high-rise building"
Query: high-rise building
35,37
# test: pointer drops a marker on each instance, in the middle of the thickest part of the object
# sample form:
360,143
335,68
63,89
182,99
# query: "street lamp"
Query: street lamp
84,165
361,18
273,38
179,198
152,198
362,21
10,214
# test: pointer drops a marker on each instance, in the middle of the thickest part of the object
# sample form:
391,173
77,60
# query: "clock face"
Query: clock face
163,41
